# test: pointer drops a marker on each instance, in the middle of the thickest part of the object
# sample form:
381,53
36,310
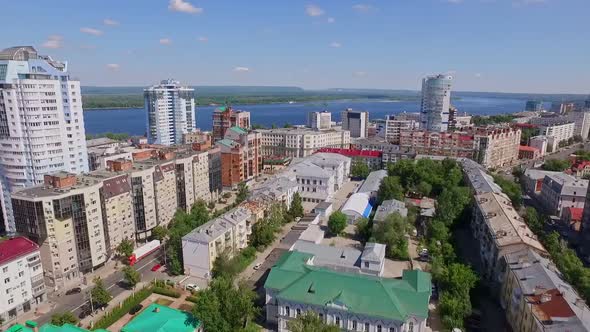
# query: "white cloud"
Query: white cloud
363,8
53,41
113,66
165,41
241,69
203,39
360,73
478,75
313,10
335,44
108,21
331,20
91,31
184,7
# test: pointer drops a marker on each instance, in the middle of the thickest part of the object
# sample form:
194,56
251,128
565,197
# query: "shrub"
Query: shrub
192,298
166,292
114,315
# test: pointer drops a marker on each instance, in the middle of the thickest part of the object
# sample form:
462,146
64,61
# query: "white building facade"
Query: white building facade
436,102
559,131
301,142
41,122
170,109
319,120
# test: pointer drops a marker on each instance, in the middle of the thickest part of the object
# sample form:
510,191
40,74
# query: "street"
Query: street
115,285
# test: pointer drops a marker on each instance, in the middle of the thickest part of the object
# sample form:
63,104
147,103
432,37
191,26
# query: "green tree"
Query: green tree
337,222
392,232
296,209
360,170
131,276
125,248
310,322
390,188
224,307
556,165
363,229
511,189
60,319
100,295
159,232
424,188
223,266
533,220
242,193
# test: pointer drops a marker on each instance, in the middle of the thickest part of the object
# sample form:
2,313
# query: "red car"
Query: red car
156,267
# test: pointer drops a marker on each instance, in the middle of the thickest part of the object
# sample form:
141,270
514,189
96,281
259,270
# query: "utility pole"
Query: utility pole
91,305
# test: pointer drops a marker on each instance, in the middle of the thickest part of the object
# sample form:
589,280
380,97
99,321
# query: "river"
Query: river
133,120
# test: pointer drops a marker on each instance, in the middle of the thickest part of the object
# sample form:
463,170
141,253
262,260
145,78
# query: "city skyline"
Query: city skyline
316,45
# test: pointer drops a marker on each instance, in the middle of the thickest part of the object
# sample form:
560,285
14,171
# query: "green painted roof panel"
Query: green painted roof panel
238,130
159,318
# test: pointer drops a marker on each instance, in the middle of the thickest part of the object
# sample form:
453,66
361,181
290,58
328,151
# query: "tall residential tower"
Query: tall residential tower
170,112
41,122
436,102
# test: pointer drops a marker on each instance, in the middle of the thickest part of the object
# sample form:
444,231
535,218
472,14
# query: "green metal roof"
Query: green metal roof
159,318
363,294
19,328
238,130
63,328
227,142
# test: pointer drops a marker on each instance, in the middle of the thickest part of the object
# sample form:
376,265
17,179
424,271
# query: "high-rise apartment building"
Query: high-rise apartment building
533,106
241,159
225,118
357,122
393,127
170,111
41,122
319,120
436,102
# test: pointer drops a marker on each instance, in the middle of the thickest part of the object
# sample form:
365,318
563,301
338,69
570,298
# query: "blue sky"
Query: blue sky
490,45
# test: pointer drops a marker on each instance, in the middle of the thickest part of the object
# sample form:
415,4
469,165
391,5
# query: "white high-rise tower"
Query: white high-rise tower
41,122
436,102
170,112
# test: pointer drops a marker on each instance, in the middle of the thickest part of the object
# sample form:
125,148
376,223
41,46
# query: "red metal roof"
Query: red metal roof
527,148
576,213
525,125
353,152
581,165
14,248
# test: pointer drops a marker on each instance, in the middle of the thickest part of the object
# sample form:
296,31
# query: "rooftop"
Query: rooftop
296,280
353,152
359,203
388,207
527,148
238,130
214,228
506,226
16,247
90,143
373,181
478,177
554,302
159,318
228,142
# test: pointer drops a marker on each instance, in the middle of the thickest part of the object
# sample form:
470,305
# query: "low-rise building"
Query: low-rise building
390,153
373,159
301,142
563,190
500,231
351,301
572,217
23,288
581,169
276,189
533,181
528,152
226,234
449,144
371,184
160,318
388,207
357,206
323,209
477,177
541,143
537,298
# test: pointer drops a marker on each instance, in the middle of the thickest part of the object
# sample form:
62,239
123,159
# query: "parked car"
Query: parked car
85,311
156,267
136,309
257,266
74,290
193,287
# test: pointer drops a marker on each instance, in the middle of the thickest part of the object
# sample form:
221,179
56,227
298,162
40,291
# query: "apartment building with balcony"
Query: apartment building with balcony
496,147
240,156
64,217
23,286
560,191
394,126
225,117
225,234
451,144
301,142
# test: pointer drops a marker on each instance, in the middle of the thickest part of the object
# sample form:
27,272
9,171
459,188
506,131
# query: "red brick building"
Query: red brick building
528,152
225,118
450,144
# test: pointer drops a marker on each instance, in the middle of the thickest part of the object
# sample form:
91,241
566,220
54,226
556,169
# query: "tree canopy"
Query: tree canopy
296,208
392,232
337,222
100,295
556,165
242,192
360,170
125,248
159,233
60,319
131,276
224,307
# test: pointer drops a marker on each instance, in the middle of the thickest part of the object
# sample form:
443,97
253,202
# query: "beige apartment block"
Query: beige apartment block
165,190
184,182
497,147
201,176
301,142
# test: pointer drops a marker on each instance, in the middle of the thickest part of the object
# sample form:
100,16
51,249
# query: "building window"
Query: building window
287,311
411,327
298,312
367,327
354,325
378,328
337,320
392,329
10,301
7,280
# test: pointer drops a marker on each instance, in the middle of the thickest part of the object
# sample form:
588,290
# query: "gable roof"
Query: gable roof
238,130
386,298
